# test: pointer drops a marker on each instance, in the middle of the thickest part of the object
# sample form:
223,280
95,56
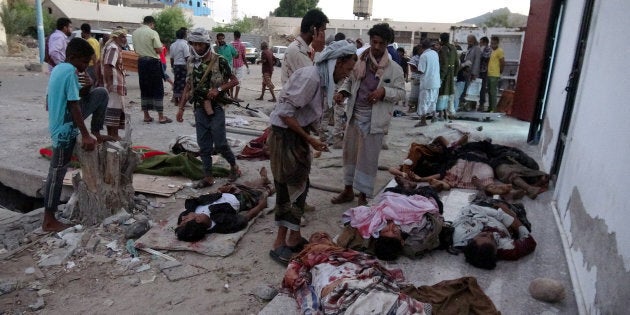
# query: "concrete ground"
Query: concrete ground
23,127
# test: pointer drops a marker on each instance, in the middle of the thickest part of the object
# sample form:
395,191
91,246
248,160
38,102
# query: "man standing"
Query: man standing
472,63
209,79
267,71
238,63
114,80
298,53
486,51
495,68
227,51
374,85
298,111
428,67
147,44
449,63
58,41
180,51
70,101
86,33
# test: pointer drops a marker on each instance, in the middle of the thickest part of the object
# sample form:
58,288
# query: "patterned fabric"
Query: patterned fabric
267,81
115,115
373,289
219,74
461,174
238,62
112,56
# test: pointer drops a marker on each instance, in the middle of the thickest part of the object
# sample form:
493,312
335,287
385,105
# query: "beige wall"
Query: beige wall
4,49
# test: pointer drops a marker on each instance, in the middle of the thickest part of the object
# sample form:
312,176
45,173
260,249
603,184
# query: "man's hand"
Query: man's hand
88,143
318,144
376,95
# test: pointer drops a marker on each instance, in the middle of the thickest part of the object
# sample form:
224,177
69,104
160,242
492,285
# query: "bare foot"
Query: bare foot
404,183
515,194
498,189
438,184
51,224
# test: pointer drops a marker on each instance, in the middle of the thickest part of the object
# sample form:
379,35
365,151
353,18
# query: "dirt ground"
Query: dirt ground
101,282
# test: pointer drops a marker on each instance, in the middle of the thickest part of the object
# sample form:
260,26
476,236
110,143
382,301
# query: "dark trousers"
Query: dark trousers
94,104
211,136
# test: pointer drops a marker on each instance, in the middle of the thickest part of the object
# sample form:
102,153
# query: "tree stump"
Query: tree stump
104,186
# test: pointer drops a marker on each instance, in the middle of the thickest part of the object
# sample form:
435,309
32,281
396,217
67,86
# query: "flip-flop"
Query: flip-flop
148,120
202,184
281,255
234,174
166,120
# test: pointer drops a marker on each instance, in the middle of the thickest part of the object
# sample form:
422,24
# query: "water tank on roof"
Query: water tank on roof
362,8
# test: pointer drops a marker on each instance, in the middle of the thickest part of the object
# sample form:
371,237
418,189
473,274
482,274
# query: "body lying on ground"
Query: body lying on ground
474,165
328,279
220,212
486,234
394,224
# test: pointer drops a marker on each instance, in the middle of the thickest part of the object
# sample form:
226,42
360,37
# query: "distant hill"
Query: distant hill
513,19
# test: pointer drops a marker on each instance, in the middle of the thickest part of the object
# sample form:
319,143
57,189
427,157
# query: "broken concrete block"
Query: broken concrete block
7,286
169,264
38,305
265,292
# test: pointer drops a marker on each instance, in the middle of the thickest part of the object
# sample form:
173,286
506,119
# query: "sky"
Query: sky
445,11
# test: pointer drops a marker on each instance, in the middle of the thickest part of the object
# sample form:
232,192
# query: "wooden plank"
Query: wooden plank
148,184
130,61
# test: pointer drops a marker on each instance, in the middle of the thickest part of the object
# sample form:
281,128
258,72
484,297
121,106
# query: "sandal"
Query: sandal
148,120
281,255
342,198
202,183
166,120
235,173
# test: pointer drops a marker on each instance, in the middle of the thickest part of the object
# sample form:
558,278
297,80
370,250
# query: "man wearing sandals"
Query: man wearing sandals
297,113
209,77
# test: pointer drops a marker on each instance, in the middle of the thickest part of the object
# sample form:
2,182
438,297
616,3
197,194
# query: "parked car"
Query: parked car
278,51
251,52
100,34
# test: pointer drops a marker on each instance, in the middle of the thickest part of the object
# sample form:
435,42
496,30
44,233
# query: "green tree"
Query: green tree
294,8
245,25
18,18
168,21
498,20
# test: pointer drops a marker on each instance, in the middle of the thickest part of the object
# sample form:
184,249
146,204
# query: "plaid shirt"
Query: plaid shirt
240,48
112,55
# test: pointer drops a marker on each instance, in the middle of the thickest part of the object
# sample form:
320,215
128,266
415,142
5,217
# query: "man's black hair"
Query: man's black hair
484,40
237,34
180,33
79,47
481,256
148,20
340,36
220,34
382,30
387,248
444,38
400,49
86,28
313,18
192,231
63,22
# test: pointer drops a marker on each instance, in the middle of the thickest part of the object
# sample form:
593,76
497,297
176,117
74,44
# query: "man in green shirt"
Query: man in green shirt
227,51
147,44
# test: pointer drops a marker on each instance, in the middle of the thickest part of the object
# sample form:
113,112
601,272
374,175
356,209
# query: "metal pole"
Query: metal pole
40,30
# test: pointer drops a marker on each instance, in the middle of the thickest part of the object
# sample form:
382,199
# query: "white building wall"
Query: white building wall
592,190
4,48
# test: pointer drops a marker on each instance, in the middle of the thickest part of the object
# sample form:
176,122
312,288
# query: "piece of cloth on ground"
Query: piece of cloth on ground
183,164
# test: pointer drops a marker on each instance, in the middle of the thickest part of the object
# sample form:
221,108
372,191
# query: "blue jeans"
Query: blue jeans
94,104
211,136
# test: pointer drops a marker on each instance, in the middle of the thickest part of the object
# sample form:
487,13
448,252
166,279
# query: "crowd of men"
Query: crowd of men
358,84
